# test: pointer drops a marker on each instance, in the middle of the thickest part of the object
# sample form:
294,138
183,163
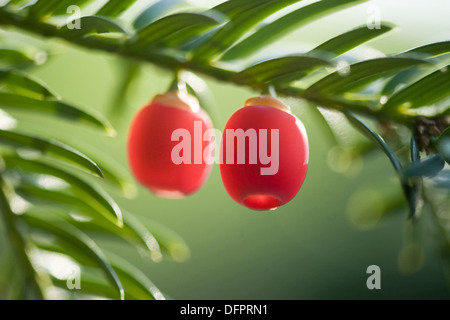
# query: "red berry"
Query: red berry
151,145
267,168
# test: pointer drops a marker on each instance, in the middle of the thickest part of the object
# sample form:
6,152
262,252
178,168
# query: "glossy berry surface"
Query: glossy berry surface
150,145
248,183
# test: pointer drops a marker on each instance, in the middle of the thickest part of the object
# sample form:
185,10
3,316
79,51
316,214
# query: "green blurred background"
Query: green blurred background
307,249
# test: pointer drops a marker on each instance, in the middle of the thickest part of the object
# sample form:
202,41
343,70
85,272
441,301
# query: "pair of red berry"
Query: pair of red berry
173,124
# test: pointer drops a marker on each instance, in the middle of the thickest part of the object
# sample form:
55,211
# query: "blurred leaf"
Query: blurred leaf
432,49
21,83
360,74
413,187
228,34
53,107
49,242
129,72
205,96
368,206
410,258
137,286
105,229
415,153
77,239
192,43
375,137
29,285
53,196
400,79
349,148
96,198
349,40
53,148
44,8
169,241
154,12
93,24
168,25
403,77
187,36
443,145
7,122
232,8
119,180
187,33
91,285
410,191
114,172
283,69
442,179
17,3
110,42
285,24
423,92
114,8
132,228
327,128
136,283
143,234
428,167
10,58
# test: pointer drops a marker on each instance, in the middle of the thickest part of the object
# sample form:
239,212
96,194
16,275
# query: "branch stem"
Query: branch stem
171,62
18,243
